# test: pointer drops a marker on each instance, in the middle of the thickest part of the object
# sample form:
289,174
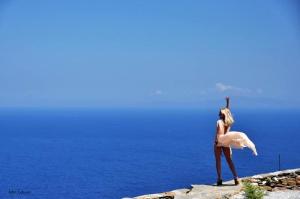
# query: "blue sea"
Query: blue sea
103,154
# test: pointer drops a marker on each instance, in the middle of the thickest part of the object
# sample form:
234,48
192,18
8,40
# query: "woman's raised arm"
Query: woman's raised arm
227,102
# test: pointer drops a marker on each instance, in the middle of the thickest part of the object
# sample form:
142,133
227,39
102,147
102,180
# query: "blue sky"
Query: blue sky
149,53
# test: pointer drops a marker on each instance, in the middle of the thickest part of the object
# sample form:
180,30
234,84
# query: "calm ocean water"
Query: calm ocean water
89,154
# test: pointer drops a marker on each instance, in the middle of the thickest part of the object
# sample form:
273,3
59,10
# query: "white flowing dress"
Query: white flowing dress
234,139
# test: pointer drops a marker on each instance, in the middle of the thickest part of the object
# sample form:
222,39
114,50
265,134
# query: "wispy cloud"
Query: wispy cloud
157,92
222,88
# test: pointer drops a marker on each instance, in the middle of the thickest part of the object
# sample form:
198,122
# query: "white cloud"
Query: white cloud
221,87
158,92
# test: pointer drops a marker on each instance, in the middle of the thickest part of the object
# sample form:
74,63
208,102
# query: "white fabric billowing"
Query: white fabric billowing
234,139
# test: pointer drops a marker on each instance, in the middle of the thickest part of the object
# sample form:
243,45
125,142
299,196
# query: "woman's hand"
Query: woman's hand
227,102
216,142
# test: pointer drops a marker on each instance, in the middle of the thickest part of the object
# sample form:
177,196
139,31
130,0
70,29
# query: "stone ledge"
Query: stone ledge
276,181
269,181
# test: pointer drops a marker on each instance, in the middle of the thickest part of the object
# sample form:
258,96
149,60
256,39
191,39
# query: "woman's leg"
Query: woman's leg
218,151
226,151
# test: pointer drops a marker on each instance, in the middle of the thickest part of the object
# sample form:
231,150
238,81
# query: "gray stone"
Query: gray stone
279,185
283,174
298,180
285,180
289,187
283,195
267,188
257,176
275,179
291,182
254,180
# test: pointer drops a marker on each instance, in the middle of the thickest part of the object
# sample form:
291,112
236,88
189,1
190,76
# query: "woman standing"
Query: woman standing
225,139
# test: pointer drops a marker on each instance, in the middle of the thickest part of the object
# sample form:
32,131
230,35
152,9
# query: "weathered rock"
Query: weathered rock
283,182
257,176
289,187
291,194
291,182
279,188
166,197
297,188
283,174
276,181
279,185
298,180
267,188
254,180
281,178
268,181
263,182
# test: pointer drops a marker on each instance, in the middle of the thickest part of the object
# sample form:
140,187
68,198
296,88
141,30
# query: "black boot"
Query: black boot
236,181
219,182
